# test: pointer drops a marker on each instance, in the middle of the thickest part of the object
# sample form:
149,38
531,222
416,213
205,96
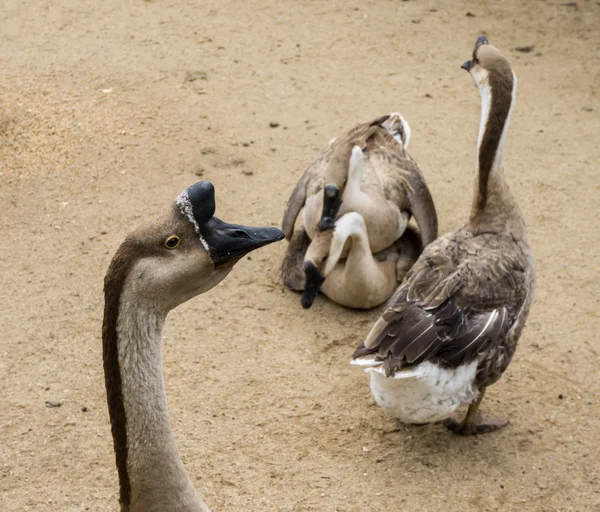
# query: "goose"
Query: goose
159,266
329,170
452,327
363,280
368,170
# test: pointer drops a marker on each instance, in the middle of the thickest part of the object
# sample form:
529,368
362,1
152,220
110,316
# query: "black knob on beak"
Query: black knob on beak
467,65
481,40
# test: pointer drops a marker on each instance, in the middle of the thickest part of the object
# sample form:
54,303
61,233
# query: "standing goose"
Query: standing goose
382,183
452,327
156,268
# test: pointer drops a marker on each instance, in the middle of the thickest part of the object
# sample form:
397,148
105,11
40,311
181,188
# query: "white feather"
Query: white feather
425,393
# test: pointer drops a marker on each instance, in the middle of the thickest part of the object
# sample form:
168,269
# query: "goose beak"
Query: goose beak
229,242
481,40
467,66
331,207
314,280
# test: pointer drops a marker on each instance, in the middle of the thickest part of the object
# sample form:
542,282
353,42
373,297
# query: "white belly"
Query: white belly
425,394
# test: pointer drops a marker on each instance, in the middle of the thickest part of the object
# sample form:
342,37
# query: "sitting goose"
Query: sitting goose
452,327
363,280
329,170
156,268
384,185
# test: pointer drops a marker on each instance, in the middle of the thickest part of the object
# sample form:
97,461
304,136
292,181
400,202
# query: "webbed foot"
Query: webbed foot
475,422
482,425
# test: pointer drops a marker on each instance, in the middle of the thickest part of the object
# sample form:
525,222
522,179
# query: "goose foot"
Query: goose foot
475,422
482,425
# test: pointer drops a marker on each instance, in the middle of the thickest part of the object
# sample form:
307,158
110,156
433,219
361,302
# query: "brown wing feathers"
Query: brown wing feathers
447,335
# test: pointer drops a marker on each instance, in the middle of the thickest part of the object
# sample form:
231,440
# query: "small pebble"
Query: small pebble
84,409
561,396
52,403
273,124
525,49
469,14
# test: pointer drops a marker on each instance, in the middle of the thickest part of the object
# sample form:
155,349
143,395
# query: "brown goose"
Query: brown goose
452,327
368,171
156,268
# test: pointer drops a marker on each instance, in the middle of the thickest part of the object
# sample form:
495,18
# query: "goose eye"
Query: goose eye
172,242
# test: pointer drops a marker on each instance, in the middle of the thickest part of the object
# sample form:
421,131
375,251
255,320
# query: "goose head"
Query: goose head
185,252
315,260
488,67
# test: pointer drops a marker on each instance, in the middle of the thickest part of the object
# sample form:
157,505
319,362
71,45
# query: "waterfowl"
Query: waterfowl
330,170
452,327
369,171
363,280
156,268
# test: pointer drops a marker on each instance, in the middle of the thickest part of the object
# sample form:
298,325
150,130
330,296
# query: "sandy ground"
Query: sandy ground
109,109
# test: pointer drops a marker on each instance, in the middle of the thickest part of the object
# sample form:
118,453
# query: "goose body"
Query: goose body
367,171
451,328
157,267
362,280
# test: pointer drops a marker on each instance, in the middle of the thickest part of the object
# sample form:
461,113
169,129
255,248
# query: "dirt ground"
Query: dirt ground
109,109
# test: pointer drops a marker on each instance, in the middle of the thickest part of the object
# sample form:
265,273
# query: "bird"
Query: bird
185,252
367,170
362,280
451,328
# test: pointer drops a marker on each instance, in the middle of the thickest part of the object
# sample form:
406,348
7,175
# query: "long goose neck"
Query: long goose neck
355,173
359,253
494,207
148,463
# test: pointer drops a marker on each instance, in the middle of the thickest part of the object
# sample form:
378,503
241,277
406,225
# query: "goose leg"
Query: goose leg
474,422
292,272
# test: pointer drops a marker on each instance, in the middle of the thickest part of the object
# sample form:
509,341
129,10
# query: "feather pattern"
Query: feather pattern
463,300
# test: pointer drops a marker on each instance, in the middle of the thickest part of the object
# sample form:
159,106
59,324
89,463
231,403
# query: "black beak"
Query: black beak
481,40
229,242
314,280
331,207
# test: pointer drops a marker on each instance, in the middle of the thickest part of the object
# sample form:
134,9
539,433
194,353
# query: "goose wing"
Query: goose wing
460,299
422,207
310,183
403,183
292,267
